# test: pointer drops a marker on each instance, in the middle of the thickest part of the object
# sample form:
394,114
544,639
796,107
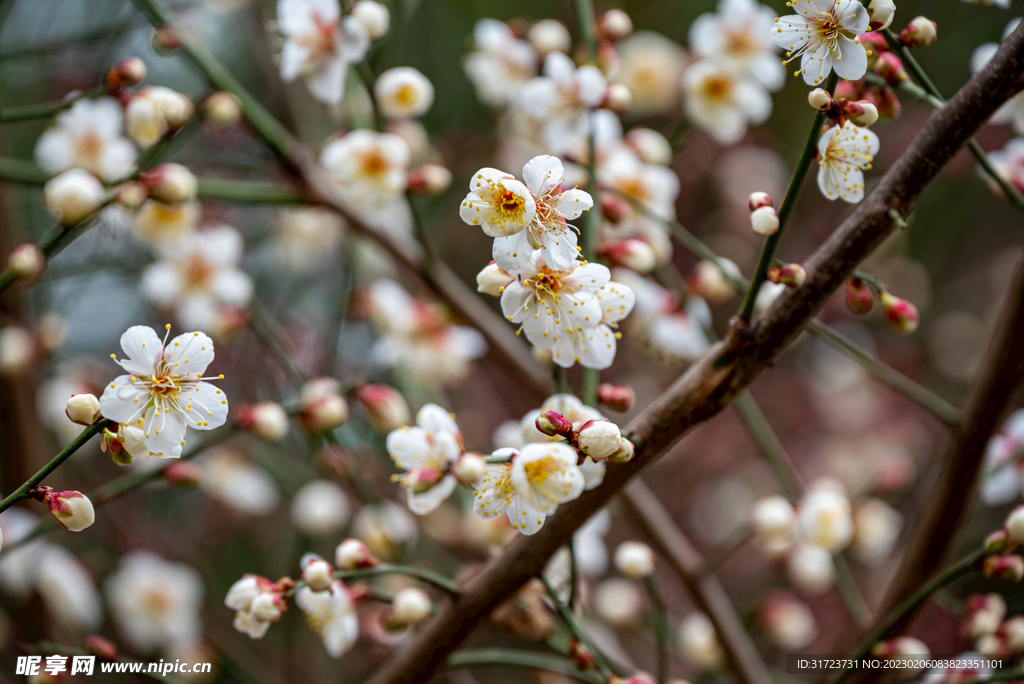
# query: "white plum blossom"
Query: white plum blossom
1012,112
500,64
153,112
723,100
843,155
825,518
571,312
88,135
540,476
368,162
824,35
256,602
650,65
236,483
332,615
319,45
68,590
403,92
384,528
1009,164
1003,480
163,391
155,602
307,238
674,332
525,217
739,32
426,451
199,277
562,99
320,508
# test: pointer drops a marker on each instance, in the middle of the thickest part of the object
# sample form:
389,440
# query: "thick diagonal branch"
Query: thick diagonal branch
729,366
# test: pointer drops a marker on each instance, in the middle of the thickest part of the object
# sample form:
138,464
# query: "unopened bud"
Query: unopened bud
901,314
222,108
374,17
634,560
615,25
469,469
618,398
165,37
709,280
409,607
83,408
634,254
1009,568
997,542
430,179
267,607
890,67
549,35
885,101
352,554
183,474
267,420
881,13
553,424
26,262
385,406
615,209
318,574
1015,525
581,656
624,454
861,113
321,408
764,221
758,200
790,275
820,100
652,146
493,280
859,298
170,183
598,439
100,647
618,98
125,74
73,196
131,195
72,510
920,32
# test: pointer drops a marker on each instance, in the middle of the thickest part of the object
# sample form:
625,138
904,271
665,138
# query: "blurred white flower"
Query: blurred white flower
825,518
774,522
724,101
549,35
332,616
403,92
823,34
164,392
699,642
650,65
87,135
319,45
68,590
1003,477
236,483
155,602
384,528
619,602
1012,112
307,238
153,112
426,452
375,17
810,569
19,568
739,32
166,226
370,168
199,277
561,100
672,332
843,154
877,529
634,560
320,508
73,196
500,64
787,620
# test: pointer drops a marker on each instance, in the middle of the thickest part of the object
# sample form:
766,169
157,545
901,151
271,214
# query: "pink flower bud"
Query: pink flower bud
420,480
624,454
791,275
26,262
469,468
618,98
222,108
997,542
170,183
615,25
890,67
385,406
72,510
125,74
598,439
861,113
581,656
615,209
267,420
408,607
820,100
430,179
1009,568
493,280
874,43
618,398
858,296
920,32
83,408
885,101
553,424
183,474
634,254
902,315
318,574
764,221
321,408
166,38
352,554
100,647
759,199
549,35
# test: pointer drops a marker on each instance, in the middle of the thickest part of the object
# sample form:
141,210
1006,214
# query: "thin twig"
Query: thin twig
661,631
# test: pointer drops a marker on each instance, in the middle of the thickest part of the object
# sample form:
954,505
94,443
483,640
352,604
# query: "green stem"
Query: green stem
795,183
561,380
854,603
267,330
661,630
768,442
953,572
366,76
21,493
506,657
570,622
588,26
44,110
435,579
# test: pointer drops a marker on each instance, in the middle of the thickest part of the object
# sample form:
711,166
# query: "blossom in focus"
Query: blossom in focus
823,34
88,135
650,65
155,602
163,392
154,112
540,476
71,509
739,32
199,277
319,45
500,64
843,155
426,451
403,92
724,101
561,100
571,312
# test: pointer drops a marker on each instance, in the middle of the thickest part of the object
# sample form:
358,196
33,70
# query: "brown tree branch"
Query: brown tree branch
728,367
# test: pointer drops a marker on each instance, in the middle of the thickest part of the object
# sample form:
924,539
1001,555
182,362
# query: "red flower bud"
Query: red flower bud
616,397
858,296
100,647
553,424
890,67
791,275
902,315
581,656
125,74
183,474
